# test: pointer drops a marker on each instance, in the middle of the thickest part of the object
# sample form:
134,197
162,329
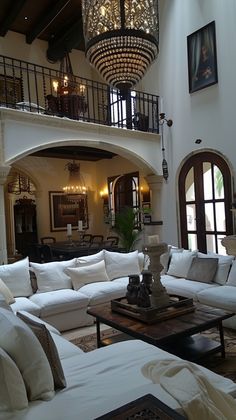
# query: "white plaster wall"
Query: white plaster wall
208,114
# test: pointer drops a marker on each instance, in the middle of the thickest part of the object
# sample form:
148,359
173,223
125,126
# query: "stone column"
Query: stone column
155,185
159,296
4,170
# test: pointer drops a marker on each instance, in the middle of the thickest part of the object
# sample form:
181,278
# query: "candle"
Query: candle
80,225
153,239
69,229
160,104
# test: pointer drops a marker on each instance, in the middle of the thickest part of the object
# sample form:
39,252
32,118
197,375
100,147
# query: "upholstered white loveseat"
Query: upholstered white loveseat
60,292
43,376
207,278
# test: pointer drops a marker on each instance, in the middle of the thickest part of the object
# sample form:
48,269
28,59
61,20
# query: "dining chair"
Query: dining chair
96,241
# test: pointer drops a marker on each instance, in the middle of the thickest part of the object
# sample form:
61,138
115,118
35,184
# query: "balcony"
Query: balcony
32,88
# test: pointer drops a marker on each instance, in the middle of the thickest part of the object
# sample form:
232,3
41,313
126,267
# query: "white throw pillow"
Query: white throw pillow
90,259
17,278
180,263
224,264
88,274
13,393
51,276
119,264
232,275
23,347
8,296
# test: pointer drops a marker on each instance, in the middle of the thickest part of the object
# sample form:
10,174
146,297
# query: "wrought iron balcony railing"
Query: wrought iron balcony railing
33,88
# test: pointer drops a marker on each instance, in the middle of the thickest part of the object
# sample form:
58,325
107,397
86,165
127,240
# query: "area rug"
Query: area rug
225,367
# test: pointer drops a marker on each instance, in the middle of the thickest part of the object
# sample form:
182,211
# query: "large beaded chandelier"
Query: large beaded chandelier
121,38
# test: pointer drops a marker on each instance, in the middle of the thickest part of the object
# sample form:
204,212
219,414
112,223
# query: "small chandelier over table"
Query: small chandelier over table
121,38
75,184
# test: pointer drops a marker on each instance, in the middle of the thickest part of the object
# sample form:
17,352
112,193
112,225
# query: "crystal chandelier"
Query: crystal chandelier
121,38
75,184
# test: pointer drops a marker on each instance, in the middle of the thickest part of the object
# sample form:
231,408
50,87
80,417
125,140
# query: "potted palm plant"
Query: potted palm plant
127,227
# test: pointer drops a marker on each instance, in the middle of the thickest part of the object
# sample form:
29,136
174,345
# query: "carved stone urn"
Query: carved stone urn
159,296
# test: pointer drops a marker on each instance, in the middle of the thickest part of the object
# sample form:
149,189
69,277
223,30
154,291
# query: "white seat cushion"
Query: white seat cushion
13,393
183,287
24,304
59,301
17,278
23,347
51,276
102,292
223,297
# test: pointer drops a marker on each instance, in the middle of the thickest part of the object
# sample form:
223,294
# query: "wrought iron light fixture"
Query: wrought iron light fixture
169,123
121,38
75,184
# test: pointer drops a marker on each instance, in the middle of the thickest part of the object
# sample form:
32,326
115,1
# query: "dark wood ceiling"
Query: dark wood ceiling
75,152
59,22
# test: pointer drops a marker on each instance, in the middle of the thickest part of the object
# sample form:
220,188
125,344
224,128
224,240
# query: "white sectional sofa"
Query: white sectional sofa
91,384
60,292
207,278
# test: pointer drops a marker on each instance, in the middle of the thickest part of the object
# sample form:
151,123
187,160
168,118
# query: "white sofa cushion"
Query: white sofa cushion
48,345
23,347
17,278
13,393
103,292
180,263
120,264
90,259
59,301
51,276
88,274
5,291
223,297
224,264
202,269
25,304
183,287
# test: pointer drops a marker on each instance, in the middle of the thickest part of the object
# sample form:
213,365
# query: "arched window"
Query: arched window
205,197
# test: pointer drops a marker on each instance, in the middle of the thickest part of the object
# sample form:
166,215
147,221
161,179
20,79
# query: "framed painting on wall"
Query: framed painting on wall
10,90
66,209
202,60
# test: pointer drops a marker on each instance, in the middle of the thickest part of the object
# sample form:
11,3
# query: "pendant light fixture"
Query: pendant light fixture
75,184
121,38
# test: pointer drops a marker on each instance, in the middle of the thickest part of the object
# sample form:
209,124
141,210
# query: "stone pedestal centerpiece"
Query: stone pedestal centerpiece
159,296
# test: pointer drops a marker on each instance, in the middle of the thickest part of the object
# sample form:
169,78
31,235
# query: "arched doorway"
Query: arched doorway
205,197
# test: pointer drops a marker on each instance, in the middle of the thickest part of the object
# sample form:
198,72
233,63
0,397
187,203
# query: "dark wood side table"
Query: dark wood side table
146,407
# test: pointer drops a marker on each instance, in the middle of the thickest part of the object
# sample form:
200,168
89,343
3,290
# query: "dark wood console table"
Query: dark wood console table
179,336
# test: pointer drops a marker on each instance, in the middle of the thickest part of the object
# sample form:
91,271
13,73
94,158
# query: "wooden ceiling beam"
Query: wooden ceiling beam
47,19
69,39
13,11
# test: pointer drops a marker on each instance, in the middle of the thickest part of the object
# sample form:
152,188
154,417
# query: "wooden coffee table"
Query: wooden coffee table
179,336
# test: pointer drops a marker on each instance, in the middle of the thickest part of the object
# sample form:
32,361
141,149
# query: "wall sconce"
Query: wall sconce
104,196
